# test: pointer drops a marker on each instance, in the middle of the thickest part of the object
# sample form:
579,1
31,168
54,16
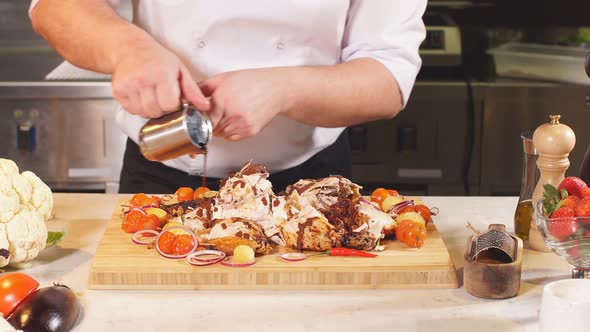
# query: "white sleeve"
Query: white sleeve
389,31
33,4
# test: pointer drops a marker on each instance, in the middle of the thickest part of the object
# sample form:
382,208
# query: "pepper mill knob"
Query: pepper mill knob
554,141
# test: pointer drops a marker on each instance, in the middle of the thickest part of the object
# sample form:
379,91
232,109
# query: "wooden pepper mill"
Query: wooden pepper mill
554,142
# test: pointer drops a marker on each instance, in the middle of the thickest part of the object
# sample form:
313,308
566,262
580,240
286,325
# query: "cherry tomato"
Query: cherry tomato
424,211
407,209
199,191
392,192
133,221
158,200
184,194
379,195
416,235
14,288
411,233
166,242
400,231
142,200
183,244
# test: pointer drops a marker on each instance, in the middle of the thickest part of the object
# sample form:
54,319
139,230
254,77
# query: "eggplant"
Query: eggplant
50,309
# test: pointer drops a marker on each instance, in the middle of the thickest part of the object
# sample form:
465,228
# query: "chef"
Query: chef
280,80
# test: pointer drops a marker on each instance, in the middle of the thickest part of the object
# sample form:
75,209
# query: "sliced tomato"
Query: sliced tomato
14,288
184,194
166,242
133,221
183,244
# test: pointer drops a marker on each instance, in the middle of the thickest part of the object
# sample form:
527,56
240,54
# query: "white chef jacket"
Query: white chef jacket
213,37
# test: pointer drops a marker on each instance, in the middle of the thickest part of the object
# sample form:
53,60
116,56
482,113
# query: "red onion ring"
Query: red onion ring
195,240
399,206
293,256
136,237
193,258
227,262
135,209
369,203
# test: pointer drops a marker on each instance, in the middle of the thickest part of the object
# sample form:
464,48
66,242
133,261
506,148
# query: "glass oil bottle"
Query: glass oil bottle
530,176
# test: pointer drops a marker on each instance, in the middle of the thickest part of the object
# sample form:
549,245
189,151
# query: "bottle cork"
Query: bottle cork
554,141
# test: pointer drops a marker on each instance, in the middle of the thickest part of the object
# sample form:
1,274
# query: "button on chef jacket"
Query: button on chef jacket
213,37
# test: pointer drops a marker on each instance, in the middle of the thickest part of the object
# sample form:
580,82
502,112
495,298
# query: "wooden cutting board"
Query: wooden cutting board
121,264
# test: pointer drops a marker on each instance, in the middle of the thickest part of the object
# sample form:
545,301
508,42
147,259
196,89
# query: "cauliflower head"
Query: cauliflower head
25,205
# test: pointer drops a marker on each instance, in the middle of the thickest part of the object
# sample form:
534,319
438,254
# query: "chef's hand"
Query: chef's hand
151,81
243,102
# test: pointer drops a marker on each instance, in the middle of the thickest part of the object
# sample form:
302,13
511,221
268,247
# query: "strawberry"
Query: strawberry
582,209
584,192
570,201
573,185
562,223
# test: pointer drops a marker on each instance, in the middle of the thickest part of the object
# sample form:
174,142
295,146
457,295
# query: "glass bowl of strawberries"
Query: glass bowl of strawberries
563,219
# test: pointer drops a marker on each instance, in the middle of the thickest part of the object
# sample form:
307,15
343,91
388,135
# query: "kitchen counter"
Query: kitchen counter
85,216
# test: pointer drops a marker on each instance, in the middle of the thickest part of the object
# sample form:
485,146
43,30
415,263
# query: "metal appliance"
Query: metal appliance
63,130
428,148
442,45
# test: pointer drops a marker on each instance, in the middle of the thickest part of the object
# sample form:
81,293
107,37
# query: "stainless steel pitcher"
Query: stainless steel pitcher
186,131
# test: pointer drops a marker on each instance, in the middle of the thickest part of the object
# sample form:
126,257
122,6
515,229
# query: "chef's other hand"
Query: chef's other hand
151,81
243,102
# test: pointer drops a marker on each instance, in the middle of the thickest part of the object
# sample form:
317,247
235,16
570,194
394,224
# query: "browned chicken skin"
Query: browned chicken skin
310,215
226,234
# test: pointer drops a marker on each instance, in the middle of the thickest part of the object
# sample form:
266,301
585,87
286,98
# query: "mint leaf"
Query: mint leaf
54,238
551,196
550,191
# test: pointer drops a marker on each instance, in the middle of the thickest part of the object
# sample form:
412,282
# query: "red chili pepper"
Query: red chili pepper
348,252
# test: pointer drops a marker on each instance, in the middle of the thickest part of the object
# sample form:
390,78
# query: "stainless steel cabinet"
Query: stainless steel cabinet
425,149
512,108
70,140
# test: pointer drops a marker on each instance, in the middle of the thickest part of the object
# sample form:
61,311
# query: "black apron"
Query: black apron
140,175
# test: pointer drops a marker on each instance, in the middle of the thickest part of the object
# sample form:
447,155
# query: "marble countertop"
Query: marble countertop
85,216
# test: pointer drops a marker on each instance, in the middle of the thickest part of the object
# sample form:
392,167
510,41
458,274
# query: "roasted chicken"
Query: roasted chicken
310,230
323,193
310,214
361,225
248,194
226,234
195,214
